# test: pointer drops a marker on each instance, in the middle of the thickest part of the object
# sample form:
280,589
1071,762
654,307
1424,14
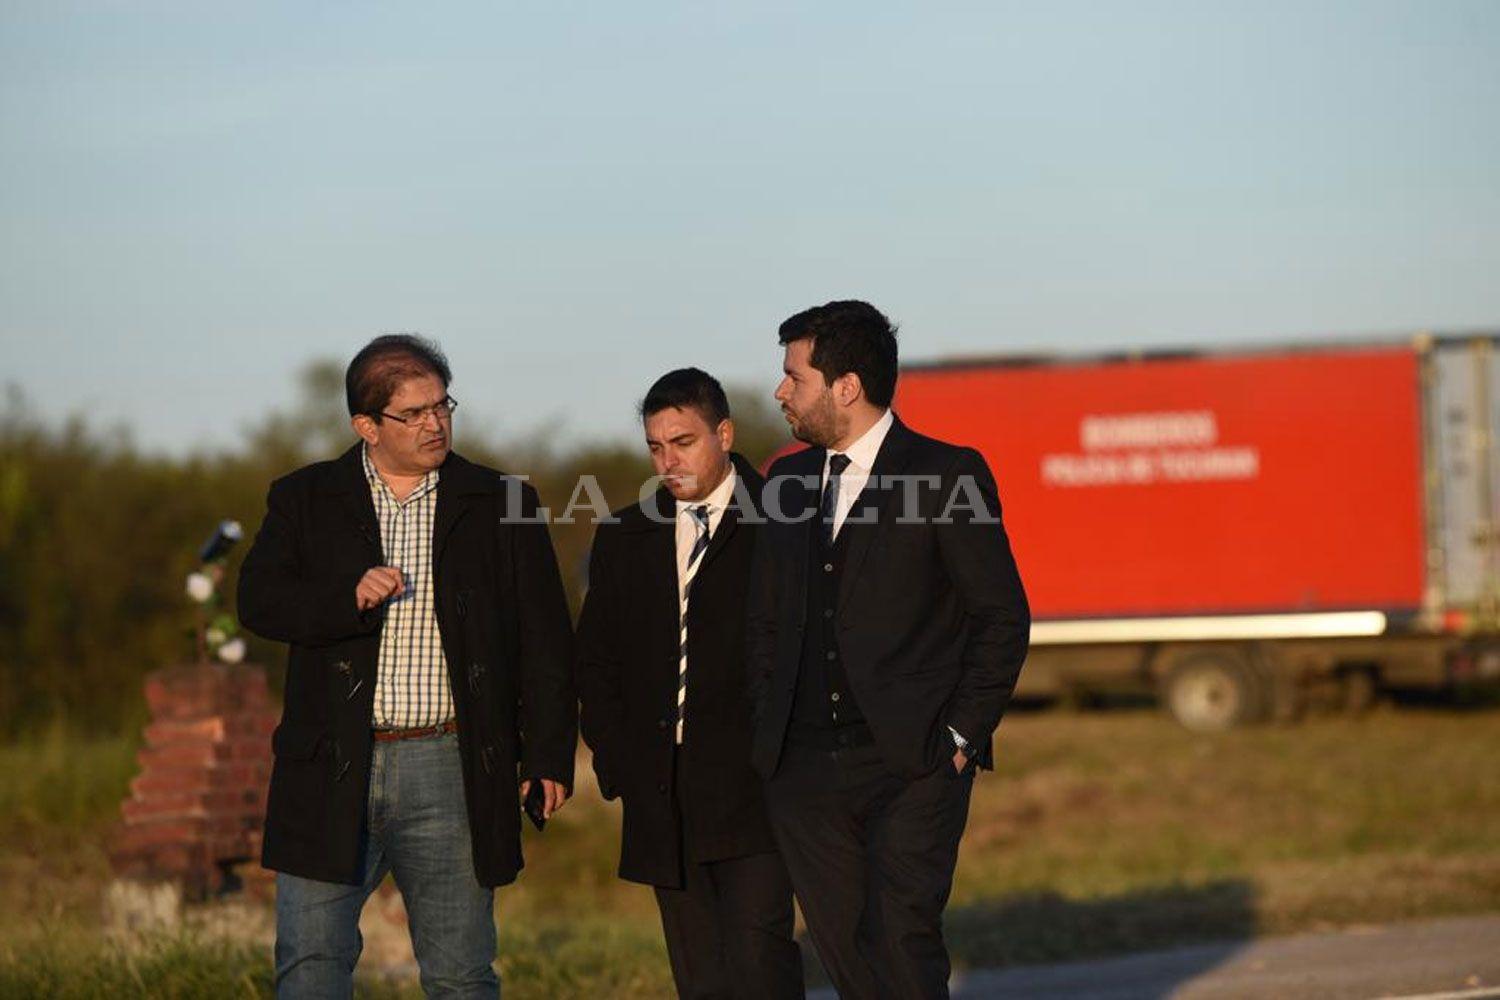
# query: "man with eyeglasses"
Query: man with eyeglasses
428,629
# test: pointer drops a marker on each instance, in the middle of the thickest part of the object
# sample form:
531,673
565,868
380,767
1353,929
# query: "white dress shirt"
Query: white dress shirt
861,460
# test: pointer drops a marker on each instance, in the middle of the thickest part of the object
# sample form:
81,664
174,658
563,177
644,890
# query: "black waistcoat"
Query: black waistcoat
824,700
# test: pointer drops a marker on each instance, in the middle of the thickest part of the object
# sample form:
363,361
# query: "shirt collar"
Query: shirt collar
862,452
717,500
428,482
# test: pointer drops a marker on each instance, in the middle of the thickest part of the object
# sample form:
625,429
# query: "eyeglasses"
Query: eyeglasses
419,414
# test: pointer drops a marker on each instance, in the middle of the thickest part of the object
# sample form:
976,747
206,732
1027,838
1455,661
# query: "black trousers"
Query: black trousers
871,857
729,930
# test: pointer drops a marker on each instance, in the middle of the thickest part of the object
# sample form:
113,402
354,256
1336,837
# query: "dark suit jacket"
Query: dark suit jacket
505,634
932,621
627,676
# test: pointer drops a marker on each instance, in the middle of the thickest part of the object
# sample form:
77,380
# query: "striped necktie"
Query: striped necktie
695,559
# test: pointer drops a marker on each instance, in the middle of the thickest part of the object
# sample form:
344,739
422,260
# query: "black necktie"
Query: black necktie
826,510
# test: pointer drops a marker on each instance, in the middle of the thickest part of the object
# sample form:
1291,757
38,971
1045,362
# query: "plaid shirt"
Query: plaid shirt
411,680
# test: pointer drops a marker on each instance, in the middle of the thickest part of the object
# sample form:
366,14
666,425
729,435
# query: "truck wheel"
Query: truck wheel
1212,692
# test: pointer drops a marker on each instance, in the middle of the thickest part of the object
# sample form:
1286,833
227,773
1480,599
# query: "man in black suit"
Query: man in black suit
887,626
428,631
661,673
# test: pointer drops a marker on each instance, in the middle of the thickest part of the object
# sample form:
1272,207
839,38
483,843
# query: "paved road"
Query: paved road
1451,959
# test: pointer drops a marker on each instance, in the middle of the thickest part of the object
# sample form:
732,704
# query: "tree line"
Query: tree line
97,538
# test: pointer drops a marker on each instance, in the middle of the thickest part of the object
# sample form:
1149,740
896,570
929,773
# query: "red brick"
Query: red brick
205,767
187,691
249,748
157,808
172,731
171,780
256,729
249,724
227,848
182,703
220,827
240,774
235,802
179,755
253,698
167,859
135,838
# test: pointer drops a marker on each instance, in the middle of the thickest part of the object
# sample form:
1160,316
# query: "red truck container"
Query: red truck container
1244,531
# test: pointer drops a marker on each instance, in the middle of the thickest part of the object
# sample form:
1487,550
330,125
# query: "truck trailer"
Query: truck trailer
1244,532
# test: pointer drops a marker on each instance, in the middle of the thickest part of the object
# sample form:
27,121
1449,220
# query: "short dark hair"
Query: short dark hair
380,367
849,336
687,387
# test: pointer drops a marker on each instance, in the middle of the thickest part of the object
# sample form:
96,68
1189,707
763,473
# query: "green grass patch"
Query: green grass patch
1100,833
65,968
586,958
62,784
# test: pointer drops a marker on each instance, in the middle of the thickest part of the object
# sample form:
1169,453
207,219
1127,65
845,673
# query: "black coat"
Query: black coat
628,673
932,620
505,633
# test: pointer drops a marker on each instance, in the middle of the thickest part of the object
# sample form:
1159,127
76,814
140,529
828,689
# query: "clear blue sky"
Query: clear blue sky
197,198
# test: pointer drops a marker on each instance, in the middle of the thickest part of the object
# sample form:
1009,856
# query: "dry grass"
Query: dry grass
1101,832
1117,830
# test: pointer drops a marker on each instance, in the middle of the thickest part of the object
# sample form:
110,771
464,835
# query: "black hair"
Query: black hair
687,387
849,336
380,367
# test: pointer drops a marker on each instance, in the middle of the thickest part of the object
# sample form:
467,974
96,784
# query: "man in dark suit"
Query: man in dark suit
887,626
428,632
662,679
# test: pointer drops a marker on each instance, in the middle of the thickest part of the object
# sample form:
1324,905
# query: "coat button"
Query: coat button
661,723
832,655
662,788
835,696
827,612
828,567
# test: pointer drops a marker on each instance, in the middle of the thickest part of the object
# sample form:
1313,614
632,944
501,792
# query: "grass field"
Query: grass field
1100,833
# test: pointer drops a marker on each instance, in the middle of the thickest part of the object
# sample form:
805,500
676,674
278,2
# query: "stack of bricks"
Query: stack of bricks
195,811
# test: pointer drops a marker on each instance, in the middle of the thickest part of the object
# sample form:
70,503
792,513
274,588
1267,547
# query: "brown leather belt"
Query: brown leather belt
387,735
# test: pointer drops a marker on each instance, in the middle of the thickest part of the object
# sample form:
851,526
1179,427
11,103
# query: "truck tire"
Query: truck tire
1210,692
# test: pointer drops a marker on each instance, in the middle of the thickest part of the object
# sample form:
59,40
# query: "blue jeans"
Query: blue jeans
417,829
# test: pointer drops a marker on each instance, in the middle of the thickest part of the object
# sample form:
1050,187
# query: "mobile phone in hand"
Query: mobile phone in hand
536,801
